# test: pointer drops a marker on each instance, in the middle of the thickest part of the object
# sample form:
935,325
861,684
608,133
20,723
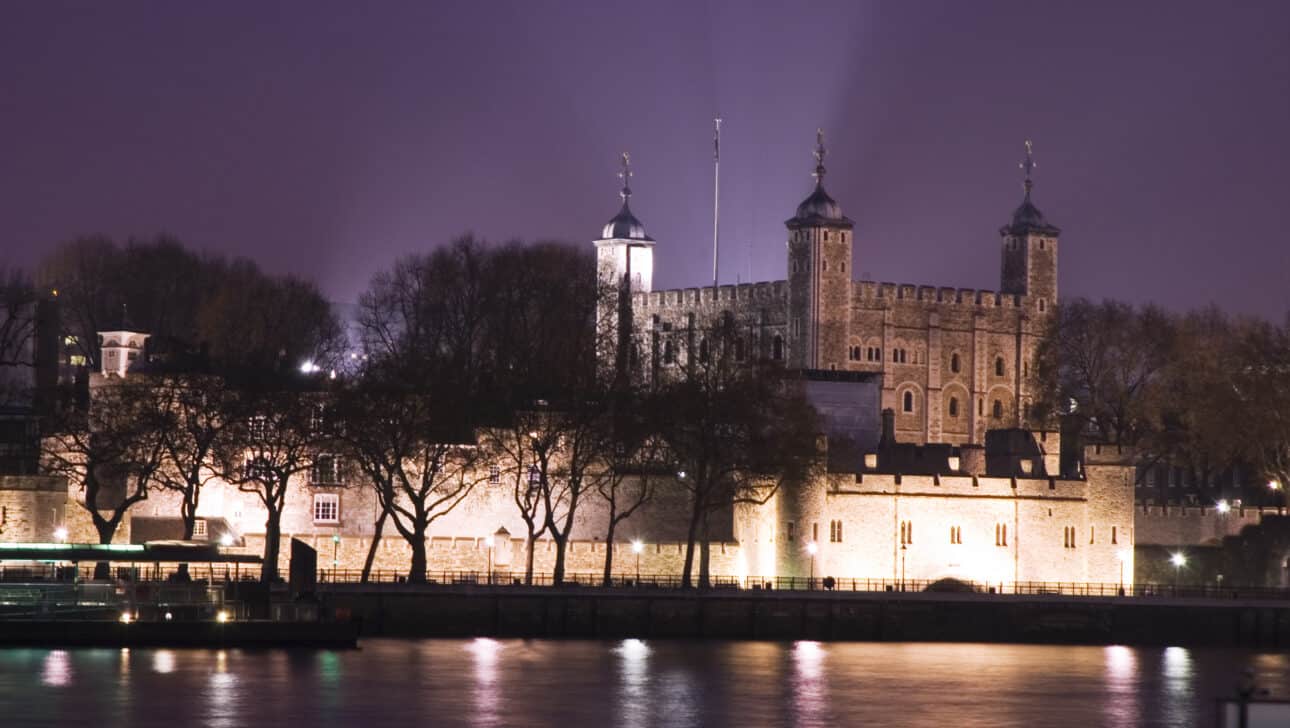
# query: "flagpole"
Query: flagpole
716,200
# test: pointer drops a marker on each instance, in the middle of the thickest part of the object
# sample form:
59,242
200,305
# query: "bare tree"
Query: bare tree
633,466
511,450
194,406
419,465
112,450
268,438
735,429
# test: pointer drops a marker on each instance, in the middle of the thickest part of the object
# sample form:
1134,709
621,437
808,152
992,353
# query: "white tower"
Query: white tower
624,265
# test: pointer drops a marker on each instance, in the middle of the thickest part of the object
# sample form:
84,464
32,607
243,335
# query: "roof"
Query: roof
625,226
819,210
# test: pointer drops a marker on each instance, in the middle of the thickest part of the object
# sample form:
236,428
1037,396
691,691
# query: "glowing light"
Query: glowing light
1122,554
680,474
169,616
60,533
637,547
488,541
1222,506
163,661
226,540
222,616
309,367
811,548
1178,560
1274,484
57,669
126,618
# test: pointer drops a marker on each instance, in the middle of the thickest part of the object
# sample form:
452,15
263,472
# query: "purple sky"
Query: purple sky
327,138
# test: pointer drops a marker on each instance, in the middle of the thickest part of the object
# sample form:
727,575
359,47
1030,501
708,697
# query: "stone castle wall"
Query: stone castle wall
31,507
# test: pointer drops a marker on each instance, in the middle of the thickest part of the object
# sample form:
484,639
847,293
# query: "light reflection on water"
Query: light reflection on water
629,683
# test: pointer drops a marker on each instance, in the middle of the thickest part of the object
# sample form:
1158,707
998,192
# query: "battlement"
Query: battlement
1107,455
765,291
874,291
961,485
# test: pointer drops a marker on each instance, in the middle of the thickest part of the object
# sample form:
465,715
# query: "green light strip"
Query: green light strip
112,547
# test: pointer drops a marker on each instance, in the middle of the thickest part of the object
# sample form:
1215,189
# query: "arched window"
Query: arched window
954,407
955,365
998,409
998,366
908,401
854,354
777,349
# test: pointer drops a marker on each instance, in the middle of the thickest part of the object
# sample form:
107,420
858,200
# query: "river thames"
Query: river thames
631,683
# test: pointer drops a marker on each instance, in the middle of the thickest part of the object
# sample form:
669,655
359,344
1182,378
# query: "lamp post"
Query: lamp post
1123,556
335,554
811,549
637,548
1178,561
488,540
903,548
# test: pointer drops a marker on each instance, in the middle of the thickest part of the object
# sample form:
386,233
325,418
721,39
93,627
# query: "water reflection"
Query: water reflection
633,687
810,698
56,671
1121,687
487,693
629,683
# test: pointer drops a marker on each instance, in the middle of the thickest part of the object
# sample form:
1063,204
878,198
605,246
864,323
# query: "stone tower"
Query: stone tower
819,282
624,265
1030,250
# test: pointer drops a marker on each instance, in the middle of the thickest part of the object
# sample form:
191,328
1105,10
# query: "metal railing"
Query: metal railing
818,584
109,600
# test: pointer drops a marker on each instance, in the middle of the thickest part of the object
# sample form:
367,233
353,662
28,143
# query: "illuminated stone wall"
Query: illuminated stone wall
31,507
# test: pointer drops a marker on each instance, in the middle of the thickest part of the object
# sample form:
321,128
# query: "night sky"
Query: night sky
326,138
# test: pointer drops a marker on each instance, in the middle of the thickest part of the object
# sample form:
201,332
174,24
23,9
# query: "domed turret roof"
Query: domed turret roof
819,208
624,225
1027,219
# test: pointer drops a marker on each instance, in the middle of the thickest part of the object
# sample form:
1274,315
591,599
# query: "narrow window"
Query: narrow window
1005,534
668,354
909,402
1113,536
954,407
980,408
791,532
839,531
1041,305
777,348
998,366
954,362
1090,535
844,267
815,532
998,409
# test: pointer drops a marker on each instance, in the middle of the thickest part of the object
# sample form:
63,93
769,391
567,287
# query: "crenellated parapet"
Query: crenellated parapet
681,299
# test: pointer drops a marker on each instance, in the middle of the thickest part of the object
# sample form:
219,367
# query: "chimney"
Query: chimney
972,459
888,429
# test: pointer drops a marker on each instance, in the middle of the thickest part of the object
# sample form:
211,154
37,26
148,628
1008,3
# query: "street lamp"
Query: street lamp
60,533
637,548
903,548
1222,506
811,549
488,540
335,551
1123,556
1179,561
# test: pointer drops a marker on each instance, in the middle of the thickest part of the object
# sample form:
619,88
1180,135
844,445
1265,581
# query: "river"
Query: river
629,683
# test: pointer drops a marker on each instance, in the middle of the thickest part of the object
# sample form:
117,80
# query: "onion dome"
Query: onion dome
1027,219
819,209
624,225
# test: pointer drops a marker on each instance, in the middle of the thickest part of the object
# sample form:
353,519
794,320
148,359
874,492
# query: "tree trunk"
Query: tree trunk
106,530
705,556
687,571
376,542
557,574
417,572
272,545
528,565
609,552
189,514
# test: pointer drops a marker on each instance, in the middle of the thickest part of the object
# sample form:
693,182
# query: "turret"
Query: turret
819,282
625,265
1030,249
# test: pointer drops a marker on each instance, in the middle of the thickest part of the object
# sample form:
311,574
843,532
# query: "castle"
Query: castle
954,362
952,484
